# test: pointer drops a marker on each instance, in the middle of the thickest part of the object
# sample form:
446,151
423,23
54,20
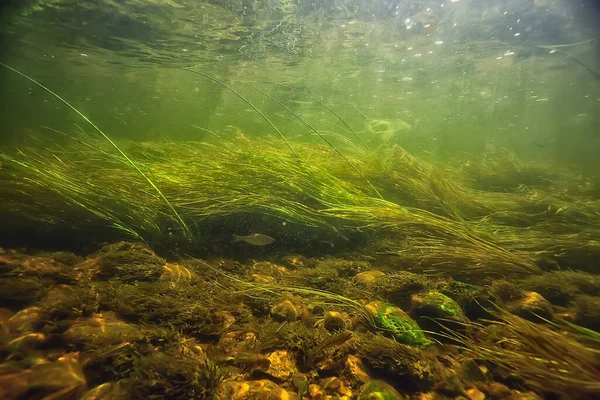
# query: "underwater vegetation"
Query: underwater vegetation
250,268
190,329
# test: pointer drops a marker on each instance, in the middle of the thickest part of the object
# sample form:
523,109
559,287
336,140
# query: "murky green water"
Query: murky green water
291,199
462,76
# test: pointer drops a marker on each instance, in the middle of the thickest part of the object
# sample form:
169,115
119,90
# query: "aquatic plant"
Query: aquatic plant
112,143
541,358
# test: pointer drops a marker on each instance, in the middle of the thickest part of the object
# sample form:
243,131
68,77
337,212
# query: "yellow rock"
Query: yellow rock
356,369
334,321
367,278
252,390
284,311
282,365
475,394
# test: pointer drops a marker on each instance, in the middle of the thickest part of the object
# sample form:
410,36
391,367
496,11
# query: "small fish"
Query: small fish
256,239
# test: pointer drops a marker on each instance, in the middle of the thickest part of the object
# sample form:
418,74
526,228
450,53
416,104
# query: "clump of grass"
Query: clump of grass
542,358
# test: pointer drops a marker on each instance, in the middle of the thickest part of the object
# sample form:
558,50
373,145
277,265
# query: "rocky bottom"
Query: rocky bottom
126,323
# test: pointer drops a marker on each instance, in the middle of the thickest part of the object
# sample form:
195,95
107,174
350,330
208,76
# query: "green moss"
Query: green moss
378,390
396,323
411,368
129,262
397,288
186,308
16,293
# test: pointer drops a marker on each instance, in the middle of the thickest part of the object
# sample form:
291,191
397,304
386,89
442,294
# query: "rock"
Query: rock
399,287
62,376
379,390
24,320
435,311
475,394
315,392
368,278
25,345
282,365
450,386
395,322
14,383
333,386
106,391
129,262
334,321
498,390
472,372
356,370
284,311
252,390
103,329
516,395
532,306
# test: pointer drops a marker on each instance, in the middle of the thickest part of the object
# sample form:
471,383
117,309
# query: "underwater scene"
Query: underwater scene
300,199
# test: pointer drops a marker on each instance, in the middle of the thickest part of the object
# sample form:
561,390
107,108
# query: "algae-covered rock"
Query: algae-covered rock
532,306
395,322
397,288
379,390
103,330
434,311
414,368
24,320
282,365
368,278
335,388
334,321
355,369
284,311
129,262
248,390
19,292
58,378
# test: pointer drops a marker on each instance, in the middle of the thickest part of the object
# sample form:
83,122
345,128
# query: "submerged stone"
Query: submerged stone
284,311
379,390
436,311
395,322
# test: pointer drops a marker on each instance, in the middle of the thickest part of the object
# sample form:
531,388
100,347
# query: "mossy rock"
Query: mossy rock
129,262
397,323
436,311
412,368
19,292
378,390
397,288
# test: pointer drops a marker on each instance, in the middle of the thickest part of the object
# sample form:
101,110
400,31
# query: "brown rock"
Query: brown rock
282,365
516,395
356,369
475,394
368,278
13,384
334,321
252,390
498,390
532,306
315,392
284,311
24,320
472,372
